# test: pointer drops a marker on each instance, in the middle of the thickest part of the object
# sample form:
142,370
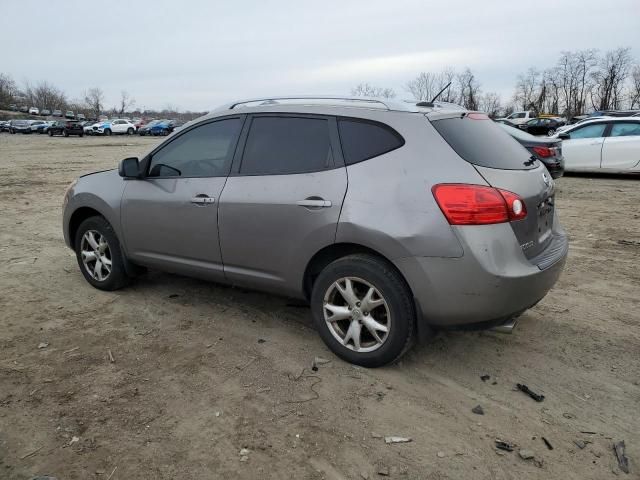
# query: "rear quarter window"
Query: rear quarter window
481,142
362,140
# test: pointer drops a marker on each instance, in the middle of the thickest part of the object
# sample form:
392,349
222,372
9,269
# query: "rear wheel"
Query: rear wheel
130,131
363,310
550,132
66,134
99,255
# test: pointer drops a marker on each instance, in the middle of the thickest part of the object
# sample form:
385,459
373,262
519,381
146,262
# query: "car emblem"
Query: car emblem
545,178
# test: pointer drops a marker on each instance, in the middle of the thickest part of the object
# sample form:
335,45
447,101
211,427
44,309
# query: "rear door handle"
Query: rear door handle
313,203
202,200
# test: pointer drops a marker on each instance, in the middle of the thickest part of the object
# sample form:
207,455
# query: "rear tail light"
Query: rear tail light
477,204
544,152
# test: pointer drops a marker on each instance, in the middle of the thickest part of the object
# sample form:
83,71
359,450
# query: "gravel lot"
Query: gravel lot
201,371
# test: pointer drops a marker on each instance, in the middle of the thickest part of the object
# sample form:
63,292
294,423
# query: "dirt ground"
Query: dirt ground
201,371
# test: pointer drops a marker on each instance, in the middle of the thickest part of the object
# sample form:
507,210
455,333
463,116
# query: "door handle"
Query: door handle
314,203
202,200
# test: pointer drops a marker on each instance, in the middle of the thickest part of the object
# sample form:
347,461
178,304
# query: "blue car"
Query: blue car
163,128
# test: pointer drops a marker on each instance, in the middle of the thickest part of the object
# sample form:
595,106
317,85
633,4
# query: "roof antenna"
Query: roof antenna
430,103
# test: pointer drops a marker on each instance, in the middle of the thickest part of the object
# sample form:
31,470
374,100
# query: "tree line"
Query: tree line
43,94
580,81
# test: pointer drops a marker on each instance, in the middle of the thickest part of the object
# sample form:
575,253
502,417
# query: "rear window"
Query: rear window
481,142
363,140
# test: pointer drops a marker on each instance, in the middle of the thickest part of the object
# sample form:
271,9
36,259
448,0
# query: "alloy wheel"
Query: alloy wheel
96,255
357,314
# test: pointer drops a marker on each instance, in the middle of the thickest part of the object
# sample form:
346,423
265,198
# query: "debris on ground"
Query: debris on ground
44,477
526,454
383,471
174,295
485,377
536,396
397,439
111,358
631,243
440,454
43,345
375,435
502,445
244,454
580,444
261,340
317,361
74,440
547,443
623,461
478,410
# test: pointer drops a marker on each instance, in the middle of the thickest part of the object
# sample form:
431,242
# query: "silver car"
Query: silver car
390,219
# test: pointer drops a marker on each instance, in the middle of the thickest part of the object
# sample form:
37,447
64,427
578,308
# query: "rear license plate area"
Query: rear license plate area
545,218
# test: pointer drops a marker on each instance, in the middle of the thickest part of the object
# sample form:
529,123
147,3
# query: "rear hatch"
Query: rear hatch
506,165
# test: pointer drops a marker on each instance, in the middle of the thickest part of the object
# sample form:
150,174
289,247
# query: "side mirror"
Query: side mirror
564,136
129,168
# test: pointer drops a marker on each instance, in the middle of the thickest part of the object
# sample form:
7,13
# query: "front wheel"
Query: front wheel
363,310
130,131
107,132
51,133
66,134
550,132
99,255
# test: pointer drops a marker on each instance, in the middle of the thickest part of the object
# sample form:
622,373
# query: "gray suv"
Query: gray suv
390,219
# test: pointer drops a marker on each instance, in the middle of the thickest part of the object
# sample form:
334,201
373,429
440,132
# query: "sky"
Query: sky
197,54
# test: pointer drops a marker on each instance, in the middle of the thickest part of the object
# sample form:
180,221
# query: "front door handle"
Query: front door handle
314,203
202,200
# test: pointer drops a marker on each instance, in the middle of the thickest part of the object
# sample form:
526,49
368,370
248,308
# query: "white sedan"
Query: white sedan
606,144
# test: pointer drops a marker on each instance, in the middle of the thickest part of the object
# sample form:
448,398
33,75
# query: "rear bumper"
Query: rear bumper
492,282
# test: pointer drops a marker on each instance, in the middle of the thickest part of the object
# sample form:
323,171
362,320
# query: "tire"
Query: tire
130,131
107,132
82,135
397,312
13,132
66,134
117,277
550,132
50,133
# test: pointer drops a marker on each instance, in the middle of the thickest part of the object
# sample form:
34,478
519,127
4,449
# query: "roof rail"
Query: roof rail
366,102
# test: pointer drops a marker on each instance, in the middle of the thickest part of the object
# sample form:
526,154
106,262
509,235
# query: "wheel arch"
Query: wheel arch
76,218
330,253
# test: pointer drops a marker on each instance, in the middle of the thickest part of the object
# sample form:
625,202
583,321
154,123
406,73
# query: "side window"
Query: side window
362,140
588,131
519,115
204,151
285,145
625,129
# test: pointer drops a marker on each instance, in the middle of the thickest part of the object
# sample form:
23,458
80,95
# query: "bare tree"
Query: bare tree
490,103
427,85
634,89
8,90
94,98
45,95
610,78
126,102
368,90
469,89
526,89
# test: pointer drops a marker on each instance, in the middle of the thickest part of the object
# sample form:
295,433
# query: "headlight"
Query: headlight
65,199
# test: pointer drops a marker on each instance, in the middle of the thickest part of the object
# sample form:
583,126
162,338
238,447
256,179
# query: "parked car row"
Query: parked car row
45,112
